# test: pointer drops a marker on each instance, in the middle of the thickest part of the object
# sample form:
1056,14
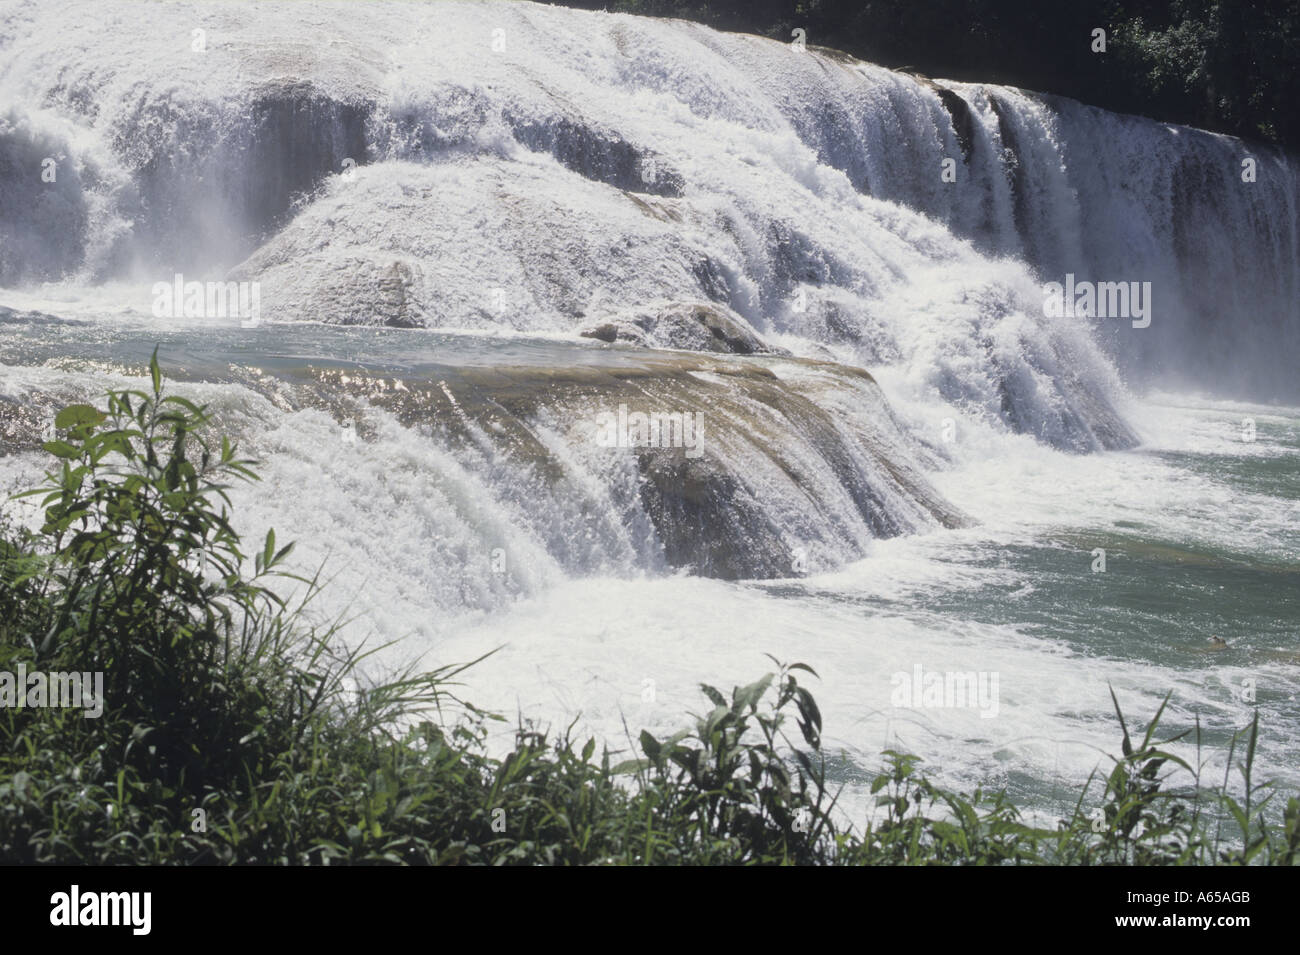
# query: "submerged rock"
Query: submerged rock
608,460
768,478
689,326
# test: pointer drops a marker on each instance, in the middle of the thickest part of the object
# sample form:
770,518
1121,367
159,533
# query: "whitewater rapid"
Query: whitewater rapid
406,534
753,167
446,196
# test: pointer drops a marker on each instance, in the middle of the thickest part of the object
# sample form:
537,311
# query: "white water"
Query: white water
597,164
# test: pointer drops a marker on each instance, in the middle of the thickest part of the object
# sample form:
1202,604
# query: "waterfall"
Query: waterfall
512,169
641,350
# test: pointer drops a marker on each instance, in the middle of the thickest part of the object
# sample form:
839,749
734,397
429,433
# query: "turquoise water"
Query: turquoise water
1199,529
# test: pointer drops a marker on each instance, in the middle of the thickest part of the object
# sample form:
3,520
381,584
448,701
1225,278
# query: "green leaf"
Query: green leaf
630,766
60,449
74,415
650,745
1126,745
716,698
750,695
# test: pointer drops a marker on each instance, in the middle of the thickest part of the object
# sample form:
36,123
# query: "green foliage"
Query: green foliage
231,733
741,798
1227,65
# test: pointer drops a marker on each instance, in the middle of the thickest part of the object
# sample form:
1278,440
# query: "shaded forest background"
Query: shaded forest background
1224,65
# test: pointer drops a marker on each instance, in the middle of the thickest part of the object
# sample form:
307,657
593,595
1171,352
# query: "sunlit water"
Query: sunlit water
505,174
1198,527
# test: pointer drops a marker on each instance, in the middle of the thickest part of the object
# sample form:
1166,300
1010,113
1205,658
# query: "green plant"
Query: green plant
744,799
233,732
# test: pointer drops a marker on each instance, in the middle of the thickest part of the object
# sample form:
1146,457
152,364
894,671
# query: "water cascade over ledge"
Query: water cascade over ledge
641,350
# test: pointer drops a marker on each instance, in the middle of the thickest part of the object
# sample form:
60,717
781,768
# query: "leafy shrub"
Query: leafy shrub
230,733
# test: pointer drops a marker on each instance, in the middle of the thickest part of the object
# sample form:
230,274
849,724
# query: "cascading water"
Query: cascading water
486,194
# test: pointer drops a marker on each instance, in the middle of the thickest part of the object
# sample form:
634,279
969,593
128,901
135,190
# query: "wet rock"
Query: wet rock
792,464
688,326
